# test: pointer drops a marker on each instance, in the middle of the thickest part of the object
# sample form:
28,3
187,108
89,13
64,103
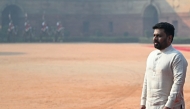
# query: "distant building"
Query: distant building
108,17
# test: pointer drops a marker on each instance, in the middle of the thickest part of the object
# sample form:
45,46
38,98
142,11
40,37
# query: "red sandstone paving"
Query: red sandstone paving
74,76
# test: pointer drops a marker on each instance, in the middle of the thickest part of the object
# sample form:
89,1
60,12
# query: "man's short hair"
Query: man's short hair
168,28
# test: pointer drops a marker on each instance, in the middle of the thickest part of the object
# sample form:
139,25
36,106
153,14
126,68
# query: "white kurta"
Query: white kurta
164,79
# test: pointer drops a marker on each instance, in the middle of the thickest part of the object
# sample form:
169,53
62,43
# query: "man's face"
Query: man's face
160,39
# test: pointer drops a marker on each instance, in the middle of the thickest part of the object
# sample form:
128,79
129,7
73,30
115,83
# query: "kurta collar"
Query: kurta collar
166,49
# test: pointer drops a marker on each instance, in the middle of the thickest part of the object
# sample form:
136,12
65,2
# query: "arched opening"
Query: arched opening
15,14
150,18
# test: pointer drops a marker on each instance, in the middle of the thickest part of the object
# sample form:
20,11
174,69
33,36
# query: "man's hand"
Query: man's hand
166,107
143,107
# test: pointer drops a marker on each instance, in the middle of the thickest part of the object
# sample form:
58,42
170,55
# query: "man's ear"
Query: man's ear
170,38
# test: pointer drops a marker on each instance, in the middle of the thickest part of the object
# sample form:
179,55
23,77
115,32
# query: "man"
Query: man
44,27
27,26
59,26
59,31
165,72
11,26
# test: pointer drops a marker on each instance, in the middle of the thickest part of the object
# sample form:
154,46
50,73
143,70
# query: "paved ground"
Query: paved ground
75,76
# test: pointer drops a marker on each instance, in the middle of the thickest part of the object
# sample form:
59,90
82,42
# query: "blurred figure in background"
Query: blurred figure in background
59,31
11,26
44,26
27,29
11,30
44,30
27,26
59,26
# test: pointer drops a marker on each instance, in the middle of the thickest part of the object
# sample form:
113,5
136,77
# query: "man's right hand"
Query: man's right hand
143,107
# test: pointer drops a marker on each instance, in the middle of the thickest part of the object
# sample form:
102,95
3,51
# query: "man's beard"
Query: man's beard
157,45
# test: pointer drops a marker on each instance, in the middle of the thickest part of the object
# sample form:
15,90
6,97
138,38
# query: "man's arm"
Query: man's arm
179,67
144,93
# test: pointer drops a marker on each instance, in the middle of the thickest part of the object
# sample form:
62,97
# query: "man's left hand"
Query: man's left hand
167,108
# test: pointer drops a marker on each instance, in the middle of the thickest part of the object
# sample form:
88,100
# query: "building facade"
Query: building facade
104,17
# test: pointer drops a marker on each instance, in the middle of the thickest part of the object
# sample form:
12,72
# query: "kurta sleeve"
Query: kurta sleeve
179,67
144,91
